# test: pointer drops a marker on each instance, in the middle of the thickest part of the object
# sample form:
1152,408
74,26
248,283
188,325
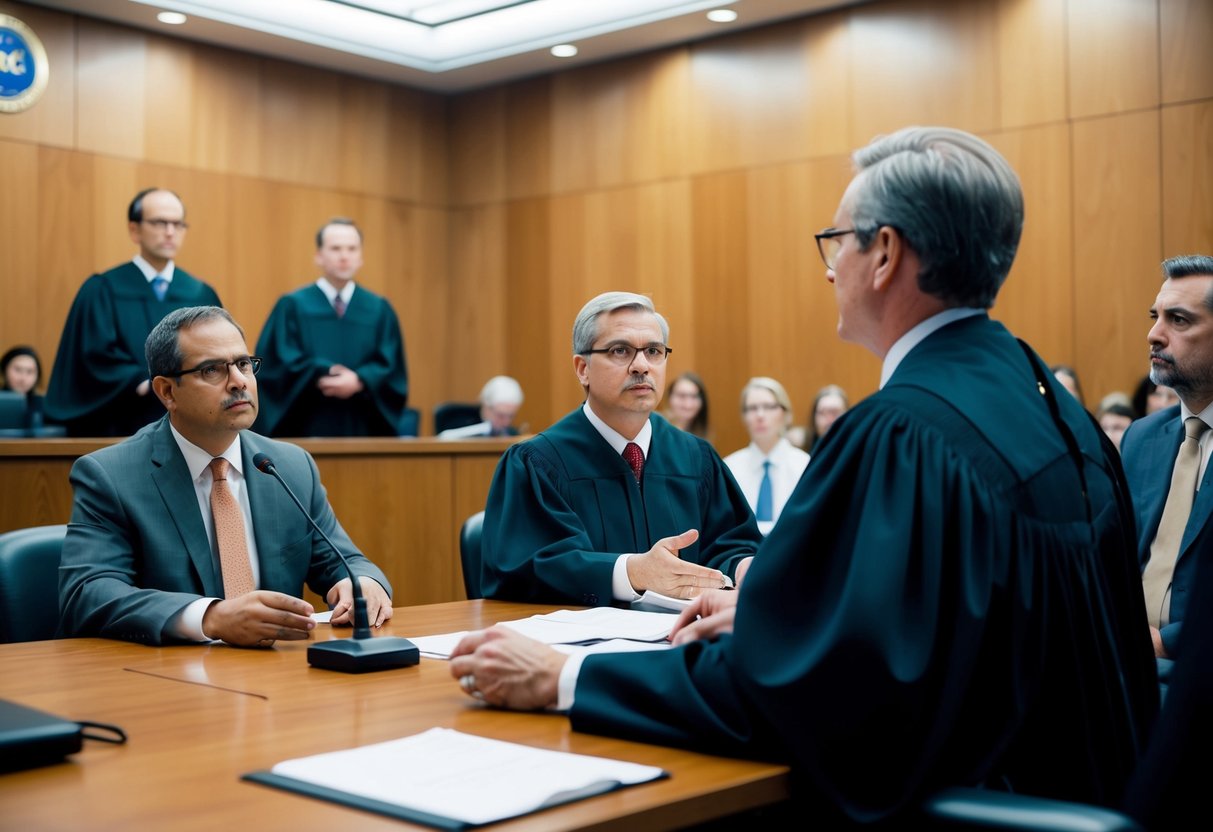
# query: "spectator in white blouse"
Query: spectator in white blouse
769,467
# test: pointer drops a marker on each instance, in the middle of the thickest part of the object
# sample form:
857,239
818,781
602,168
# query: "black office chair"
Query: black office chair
410,422
469,554
29,583
455,415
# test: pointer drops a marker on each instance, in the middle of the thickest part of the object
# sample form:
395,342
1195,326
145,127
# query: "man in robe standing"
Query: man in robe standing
613,500
334,354
951,596
99,384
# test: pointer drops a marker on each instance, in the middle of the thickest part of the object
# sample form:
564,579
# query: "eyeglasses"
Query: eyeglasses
163,225
764,407
624,354
828,244
217,372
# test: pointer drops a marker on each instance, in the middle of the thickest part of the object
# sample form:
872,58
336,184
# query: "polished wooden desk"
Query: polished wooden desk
199,717
402,501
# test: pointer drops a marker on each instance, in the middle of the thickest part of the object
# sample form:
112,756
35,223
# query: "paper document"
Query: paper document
443,775
662,602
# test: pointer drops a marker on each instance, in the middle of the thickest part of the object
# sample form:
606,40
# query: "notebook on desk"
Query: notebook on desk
30,737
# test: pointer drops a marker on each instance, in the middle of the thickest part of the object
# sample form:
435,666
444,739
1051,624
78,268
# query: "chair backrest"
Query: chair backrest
469,554
455,415
12,410
29,583
410,422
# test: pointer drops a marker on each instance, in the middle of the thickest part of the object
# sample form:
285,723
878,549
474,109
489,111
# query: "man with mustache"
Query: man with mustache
174,537
612,500
1166,454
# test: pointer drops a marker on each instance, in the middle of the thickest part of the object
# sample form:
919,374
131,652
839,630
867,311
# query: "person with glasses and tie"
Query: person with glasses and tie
175,538
334,352
99,384
1166,454
613,500
951,597
770,466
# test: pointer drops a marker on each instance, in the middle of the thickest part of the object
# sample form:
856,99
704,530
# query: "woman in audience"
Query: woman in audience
1068,377
829,403
21,372
1149,397
687,405
769,468
1115,414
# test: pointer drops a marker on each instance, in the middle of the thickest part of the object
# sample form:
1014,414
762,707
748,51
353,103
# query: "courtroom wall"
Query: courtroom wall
697,174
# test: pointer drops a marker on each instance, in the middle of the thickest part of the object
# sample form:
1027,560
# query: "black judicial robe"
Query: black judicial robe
932,608
101,360
563,506
303,338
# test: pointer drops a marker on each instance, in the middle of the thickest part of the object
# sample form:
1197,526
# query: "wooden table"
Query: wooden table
199,717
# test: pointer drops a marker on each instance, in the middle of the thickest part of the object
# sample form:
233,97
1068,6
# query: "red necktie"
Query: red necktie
635,458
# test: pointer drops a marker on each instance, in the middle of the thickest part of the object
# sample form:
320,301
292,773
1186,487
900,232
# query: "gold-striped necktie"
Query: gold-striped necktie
229,532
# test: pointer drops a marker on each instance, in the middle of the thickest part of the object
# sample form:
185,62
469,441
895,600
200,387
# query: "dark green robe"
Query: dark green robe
932,609
564,506
101,360
303,338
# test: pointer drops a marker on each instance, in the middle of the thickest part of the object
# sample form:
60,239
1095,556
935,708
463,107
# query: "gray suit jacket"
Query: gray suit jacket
137,553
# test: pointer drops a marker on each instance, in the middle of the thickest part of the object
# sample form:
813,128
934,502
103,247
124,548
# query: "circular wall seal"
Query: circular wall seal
24,69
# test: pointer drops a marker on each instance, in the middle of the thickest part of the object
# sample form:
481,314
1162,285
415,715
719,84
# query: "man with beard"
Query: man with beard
174,538
613,500
1166,454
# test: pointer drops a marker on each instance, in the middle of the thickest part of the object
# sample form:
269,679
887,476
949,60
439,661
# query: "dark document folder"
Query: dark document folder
30,738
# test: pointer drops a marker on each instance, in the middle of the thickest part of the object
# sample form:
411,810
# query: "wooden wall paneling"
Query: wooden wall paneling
1187,179
364,144
1113,56
114,183
1037,301
529,137
721,244
831,102
1117,244
663,265
52,121
477,291
265,257
621,122
750,98
417,162
168,95
227,92
569,289
111,76
401,509
35,493
299,124
477,147
1031,61
1186,27
923,62
19,213
535,351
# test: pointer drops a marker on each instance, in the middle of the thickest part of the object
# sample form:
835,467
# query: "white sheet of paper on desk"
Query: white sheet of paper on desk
572,626
656,599
461,776
322,617
615,645
438,647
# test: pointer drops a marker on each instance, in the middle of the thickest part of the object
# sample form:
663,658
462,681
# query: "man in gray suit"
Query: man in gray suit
143,559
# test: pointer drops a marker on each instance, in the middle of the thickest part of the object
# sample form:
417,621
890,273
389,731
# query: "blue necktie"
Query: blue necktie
766,502
160,286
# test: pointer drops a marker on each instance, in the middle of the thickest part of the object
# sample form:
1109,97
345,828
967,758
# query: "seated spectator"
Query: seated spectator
21,372
500,400
1115,414
830,403
1068,377
687,407
1150,397
769,468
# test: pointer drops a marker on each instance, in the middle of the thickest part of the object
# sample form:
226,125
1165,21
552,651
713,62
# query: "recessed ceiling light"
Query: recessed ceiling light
722,15
564,50
172,18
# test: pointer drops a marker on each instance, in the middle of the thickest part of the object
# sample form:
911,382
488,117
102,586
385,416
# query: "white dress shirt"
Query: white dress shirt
188,623
787,464
150,272
330,291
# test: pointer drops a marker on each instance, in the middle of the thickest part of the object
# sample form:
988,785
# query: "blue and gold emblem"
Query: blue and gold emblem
24,69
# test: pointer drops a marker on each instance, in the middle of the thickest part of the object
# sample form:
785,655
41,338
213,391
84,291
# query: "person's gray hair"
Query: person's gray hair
163,348
1189,265
585,327
953,198
501,390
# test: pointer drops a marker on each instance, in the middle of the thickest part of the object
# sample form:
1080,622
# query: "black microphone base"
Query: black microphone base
363,655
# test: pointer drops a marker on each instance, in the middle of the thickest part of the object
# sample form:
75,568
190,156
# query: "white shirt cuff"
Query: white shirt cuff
188,623
566,685
621,587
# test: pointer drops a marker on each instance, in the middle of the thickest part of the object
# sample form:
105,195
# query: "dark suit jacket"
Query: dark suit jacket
136,551
1148,449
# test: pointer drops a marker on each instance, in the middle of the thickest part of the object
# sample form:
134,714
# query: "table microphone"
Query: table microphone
362,653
